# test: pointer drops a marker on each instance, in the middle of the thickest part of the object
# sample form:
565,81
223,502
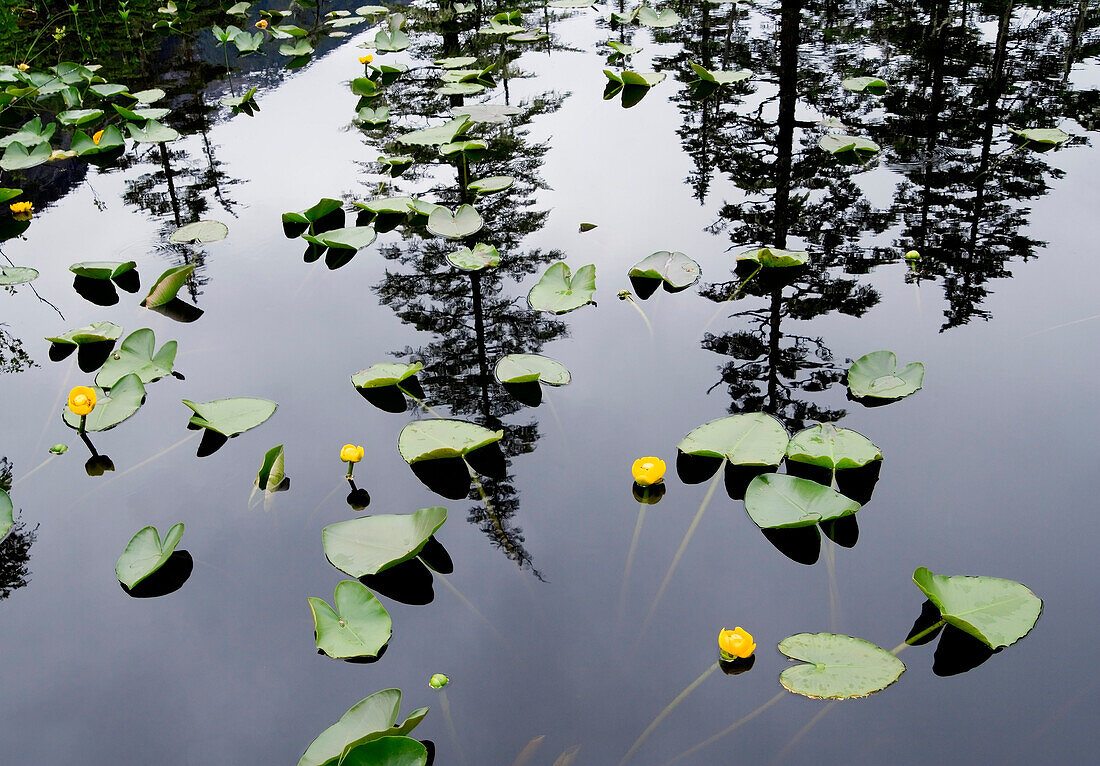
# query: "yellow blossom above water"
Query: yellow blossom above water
23,67
351,453
261,24
366,59
648,470
21,211
96,136
736,643
81,400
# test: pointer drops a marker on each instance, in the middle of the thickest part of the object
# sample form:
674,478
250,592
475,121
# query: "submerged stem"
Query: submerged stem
913,639
668,709
445,706
730,729
630,559
630,299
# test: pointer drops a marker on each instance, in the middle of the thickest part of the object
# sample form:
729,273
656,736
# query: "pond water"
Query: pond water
986,470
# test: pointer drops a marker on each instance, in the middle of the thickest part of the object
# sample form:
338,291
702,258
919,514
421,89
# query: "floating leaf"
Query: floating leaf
18,157
369,719
32,134
167,285
571,3
528,368
455,62
462,223
748,438
111,140
137,115
1049,136
721,77
440,438
96,332
997,612
59,449
529,36
586,227
470,150
491,184
230,417
125,398
830,447
6,194
79,116
874,85
482,256
325,207
349,238
102,269
836,143
17,275
299,47
876,376
648,17
7,520
460,89
200,231
676,270
107,89
385,374
837,667
440,134
135,356
773,257
780,501
359,626
373,544
272,470
145,554
486,113
391,40
388,751
376,116
152,132
559,293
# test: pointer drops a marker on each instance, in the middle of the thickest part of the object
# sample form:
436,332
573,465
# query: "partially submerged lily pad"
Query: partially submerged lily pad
486,113
353,238
836,143
230,417
481,256
200,231
773,257
780,501
997,612
830,447
102,269
749,439
168,285
273,470
674,270
837,667
126,397
440,438
369,719
359,626
136,356
373,544
145,554
530,368
876,376
97,332
1049,136
438,135
385,374
491,185
559,291
873,85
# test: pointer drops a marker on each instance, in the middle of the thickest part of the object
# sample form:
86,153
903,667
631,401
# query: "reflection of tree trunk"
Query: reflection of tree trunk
935,53
774,334
213,165
169,177
704,36
788,98
1075,37
482,357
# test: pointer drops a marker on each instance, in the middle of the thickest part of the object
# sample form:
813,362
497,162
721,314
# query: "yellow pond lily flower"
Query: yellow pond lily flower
96,137
366,59
21,211
22,67
261,24
81,400
648,470
736,643
351,453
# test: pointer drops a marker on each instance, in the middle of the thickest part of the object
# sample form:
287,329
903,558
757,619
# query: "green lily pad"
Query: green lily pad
32,134
148,96
102,269
59,449
373,544
396,164
675,269
230,417
491,184
111,140
720,77
272,470
359,626
635,79
837,667
96,332
374,116
830,447
455,62
780,501
876,376
388,751
874,85
391,41
315,213
748,438
18,157
438,135
459,89
575,4
773,257
107,89
17,275
6,194
462,223
528,368
558,292
996,612
482,256
486,113
168,285
138,115
836,143
152,132
79,116
135,356
7,520
349,238
441,438
298,47
648,17
126,397
200,231
470,150
145,554
369,719
1050,136
385,374
529,36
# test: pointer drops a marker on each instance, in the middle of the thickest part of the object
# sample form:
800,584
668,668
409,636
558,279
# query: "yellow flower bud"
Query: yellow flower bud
23,67
648,470
96,136
366,59
81,400
736,643
21,211
351,453
261,24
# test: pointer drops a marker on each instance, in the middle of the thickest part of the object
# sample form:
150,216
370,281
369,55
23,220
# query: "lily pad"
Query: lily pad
876,376
873,85
230,417
385,374
482,256
491,184
135,356
455,62
441,438
125,398
997,612
558,292
374,116
830,447
79,116
1050,136
359,626
837,143
200,231
528,368
349,238
388,751
438,135
780,501
145,554
529,36
167,285
17,275
676,270
773,257
460,89
462,223
648,17
7,520
837,667
102,269
719,76
373,544
486,113
148,96
748,438
111,140
369,719
325,207
97,332
18,157
272,470
152,132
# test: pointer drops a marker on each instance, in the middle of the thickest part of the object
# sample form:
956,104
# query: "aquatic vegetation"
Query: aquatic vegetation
709,81
673,270
775,258
97,332
111,408
81,400
373,544
481,256
735,643
633,85
135,356
372,718
997,612
102,269
7,520
873,85
17,275
648,470
531,368
457,225
830,447
200,232
385,374
1048,136
359,626
438,681
559,291
836,666
781,501
146,553
168,285
441,438
746,439
838,143
230,417
876,376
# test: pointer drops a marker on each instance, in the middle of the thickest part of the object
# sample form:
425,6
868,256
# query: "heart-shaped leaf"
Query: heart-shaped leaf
460,89
352,238
559,292
780,501
837,667
748,438
648,17
111,140
455,62
359,626
152,132
392,40
440,438
79,116
482,256
325,207
145,554
876,376
126,397
272,470
96,332
997,612
31,135
135,356
462,223
375,116
17,275
373,544
230,417
369,719
830,447
491,185
1049,136
148,96
200,231
773,257
102,269
528,368
18,157
676,270
168,285
385,374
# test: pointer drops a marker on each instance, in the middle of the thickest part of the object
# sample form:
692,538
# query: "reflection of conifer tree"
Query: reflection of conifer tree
13,358
15,547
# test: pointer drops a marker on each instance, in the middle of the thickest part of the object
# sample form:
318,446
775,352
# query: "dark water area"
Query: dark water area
987,470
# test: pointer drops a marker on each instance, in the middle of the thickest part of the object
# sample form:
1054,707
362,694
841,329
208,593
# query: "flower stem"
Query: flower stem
630,559
83,423
729,729
629,299
668,709
351,468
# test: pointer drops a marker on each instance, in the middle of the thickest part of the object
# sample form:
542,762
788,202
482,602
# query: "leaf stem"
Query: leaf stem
668,709
630,560
913,639
729,729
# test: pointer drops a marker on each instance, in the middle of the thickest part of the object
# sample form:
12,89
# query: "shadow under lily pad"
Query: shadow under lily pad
168,579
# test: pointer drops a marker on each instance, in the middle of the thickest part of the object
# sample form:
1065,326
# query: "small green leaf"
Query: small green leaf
359,626
648,17
126,397
352,238
462,223
997,612
830,447
837,667
6,194
79,116
92,333
385,374
272,470
836,143
59,449
780,501
675,269
1049,136
200,231
482,256
440,134
152,132
17,157
145,554
230,417
7,520
874,85
318,211
373,544
491,185
773,257
168,285
135,356
876,376
558,292
369,719
528,368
